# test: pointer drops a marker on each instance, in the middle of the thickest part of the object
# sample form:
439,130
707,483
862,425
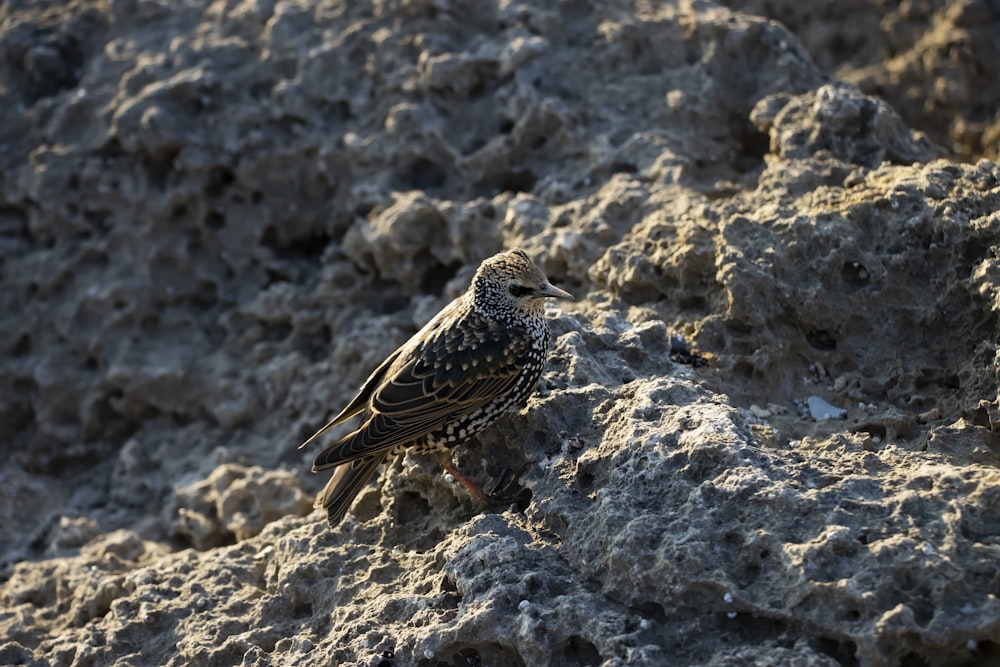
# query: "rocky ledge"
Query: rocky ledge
767,433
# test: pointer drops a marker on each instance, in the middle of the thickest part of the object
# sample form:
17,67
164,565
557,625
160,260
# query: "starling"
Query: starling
477,358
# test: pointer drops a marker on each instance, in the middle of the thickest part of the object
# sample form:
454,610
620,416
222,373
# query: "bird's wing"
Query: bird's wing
360,401
453,373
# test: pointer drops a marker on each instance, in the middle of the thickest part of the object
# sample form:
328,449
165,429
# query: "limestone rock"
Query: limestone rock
217,218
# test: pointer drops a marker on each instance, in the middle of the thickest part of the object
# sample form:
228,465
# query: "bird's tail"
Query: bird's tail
347,481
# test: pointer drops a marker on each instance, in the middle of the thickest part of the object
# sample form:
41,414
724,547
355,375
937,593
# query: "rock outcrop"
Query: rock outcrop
767,433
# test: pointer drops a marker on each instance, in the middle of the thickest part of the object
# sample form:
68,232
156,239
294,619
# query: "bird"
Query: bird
479,356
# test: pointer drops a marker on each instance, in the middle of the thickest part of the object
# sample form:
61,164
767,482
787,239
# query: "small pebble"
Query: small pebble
820,409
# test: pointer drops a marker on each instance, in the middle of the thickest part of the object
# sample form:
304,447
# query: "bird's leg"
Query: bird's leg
444,458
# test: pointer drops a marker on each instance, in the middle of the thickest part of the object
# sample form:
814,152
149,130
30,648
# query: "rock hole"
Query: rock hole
421,174
820,339
159,165
733,537
22,346
854,274
219,178
934,377
275,333
619,167
438,276
518,180
873,430
988,653
364,209
981,417
753,144
523,500
308,248
693,302
215,220
302,610
53,67
412,509
394,304
337,110
652,611
579,651
843,652
913,660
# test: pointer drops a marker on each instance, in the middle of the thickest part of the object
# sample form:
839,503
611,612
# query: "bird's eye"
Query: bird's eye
518,290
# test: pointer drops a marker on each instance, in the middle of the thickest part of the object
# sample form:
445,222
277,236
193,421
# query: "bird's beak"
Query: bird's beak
550,290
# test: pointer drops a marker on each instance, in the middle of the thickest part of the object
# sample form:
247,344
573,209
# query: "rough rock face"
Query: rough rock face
935,61
216,218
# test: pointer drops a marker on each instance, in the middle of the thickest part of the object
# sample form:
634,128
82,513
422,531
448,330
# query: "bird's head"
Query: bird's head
512,280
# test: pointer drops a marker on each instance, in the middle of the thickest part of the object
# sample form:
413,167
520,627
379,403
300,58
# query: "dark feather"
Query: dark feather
360,401
346,483
435,386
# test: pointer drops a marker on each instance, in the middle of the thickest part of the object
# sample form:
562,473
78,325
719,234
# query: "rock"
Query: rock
852,127
821,409
213,225
939,71
234,503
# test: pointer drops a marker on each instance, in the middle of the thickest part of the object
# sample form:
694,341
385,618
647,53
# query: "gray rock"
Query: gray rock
214,224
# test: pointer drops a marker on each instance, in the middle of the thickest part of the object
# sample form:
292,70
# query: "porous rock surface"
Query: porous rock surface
216,218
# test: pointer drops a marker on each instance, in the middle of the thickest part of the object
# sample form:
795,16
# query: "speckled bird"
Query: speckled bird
481,355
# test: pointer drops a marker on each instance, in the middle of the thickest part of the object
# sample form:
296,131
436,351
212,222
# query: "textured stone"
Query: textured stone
932,61
216,219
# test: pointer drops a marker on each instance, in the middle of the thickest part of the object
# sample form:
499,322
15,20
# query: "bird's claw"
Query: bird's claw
504,489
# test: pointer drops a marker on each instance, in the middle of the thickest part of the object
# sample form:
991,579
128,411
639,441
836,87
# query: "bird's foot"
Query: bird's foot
502,491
